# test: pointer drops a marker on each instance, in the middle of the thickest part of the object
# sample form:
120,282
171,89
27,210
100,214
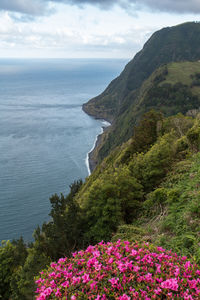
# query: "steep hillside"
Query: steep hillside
172,88
170,216
117,103
151,183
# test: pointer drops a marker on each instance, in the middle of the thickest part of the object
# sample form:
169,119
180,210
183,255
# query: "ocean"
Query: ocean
44,134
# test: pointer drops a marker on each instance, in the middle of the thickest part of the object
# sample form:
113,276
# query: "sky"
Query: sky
86,28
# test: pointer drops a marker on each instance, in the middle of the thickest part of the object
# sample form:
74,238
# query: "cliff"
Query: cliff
119,102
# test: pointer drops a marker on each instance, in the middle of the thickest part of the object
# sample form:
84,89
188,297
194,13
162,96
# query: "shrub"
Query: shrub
123,271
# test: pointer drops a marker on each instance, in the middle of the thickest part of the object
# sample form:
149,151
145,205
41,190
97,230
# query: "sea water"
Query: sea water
44,134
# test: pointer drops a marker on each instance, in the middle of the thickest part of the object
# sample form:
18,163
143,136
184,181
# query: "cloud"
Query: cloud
41,7
30,7
176,6
48,38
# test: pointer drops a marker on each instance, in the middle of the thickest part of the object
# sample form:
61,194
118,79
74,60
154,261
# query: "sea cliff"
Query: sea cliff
120,103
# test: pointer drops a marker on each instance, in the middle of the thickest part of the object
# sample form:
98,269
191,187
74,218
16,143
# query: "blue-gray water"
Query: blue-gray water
44,134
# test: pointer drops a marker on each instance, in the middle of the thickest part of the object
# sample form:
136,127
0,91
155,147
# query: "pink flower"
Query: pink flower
58,293
113,281
177,271
76,280
97,266
171,284
128,271
157,291
38,281
134,252
48,291
158,268
122,267
136,268
62,260
160,249
65,284
148,277
93,285
86,278
41,297
110,261
124,297
96,253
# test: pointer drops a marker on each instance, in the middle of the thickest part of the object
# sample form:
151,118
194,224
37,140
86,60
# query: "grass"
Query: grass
174,223
181,72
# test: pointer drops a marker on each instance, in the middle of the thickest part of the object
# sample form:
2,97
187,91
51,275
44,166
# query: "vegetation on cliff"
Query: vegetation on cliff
119,102
141,191
147,188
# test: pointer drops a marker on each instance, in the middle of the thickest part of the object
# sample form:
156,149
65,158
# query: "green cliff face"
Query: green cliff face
120,102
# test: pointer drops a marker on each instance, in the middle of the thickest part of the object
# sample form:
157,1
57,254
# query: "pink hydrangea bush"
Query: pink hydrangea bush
121,271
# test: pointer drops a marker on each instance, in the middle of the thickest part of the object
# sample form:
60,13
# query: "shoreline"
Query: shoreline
88,161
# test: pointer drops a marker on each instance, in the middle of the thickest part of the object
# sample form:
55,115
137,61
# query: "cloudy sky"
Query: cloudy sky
86,28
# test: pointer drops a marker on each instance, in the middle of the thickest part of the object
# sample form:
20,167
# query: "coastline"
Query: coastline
90,164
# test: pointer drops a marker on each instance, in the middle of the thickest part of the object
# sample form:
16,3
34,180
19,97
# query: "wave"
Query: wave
105,124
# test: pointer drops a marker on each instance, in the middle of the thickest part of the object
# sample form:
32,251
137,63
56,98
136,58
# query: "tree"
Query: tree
146,133
62,234
12,258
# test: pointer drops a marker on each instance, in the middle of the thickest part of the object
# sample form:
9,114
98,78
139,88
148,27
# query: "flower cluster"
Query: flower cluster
121,271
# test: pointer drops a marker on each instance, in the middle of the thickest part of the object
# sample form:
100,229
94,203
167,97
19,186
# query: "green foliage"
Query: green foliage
102,212
12,258
23,285
146,133
111,200
155,201
195,79
193,136
151,168
131,233
118,191
62,234
170,216
184,72
171,99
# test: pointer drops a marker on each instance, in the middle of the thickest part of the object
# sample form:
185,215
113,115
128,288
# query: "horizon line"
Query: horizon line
46,58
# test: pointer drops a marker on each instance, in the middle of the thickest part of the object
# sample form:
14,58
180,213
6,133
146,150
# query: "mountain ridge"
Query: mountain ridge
170,44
